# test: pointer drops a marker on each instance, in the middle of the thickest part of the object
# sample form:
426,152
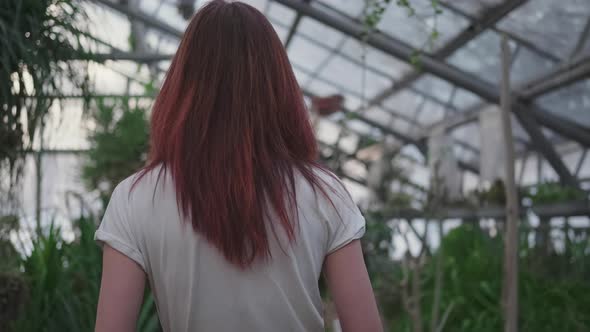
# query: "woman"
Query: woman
232,221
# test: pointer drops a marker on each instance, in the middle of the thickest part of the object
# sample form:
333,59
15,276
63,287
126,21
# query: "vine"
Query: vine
373,15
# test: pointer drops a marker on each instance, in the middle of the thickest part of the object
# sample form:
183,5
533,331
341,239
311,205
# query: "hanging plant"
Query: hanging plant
373,15
34,36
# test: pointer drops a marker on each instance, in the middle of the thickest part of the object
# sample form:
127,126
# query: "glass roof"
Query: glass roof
326,61
554,26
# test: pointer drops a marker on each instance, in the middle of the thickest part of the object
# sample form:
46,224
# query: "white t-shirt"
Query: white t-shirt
196,289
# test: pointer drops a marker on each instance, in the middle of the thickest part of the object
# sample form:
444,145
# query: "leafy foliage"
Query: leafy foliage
384,273
34,35
64,278
12,286
551,192
118,145
64,281
472,267
63,284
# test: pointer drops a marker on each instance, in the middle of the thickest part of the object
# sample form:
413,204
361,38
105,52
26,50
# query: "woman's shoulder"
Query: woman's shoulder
147,180
326,188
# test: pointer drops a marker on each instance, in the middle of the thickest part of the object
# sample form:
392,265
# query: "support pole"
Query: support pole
39,180
510,285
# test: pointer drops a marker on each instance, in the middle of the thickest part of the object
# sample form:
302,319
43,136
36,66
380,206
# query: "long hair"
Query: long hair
231,127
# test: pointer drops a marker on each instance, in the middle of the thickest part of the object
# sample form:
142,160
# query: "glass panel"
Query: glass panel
281,13
430,113
125,69
150,6
105,80
520,135
404,102
376,59
586,49
571,159
321,88
60,185
305,54
413,152
400,125
327,131
360,127
585,169
258,4
416,29
472,7
301,76
481,57
552,25
352,8
163,44
66,126
434,86
169,14
349,76
108,25
379,115
281,31
317,30
464,99
351,102
468,133
528,66
572,102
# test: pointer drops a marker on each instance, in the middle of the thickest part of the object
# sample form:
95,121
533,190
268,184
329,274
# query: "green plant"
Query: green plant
12,285
118,145
472,266
34,36
373,14
384,272
552,192
63,282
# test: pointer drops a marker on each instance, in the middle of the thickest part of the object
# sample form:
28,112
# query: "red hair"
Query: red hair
231,127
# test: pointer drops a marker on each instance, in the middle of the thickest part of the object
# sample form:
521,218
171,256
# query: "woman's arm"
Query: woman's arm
349,284
121,293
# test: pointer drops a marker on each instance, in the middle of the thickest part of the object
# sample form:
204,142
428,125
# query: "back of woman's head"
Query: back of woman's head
231,127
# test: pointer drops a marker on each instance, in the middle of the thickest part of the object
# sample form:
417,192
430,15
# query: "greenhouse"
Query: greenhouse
461,129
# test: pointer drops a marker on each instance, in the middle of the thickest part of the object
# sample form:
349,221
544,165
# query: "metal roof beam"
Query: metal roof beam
292,30
368,66
450,73
139,57
432,65
142,17
404,138
545,147
398,49
404,180
477,26
527,44
570,72
583,39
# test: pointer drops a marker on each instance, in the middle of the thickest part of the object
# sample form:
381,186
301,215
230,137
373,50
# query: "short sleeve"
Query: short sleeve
344,219
117,228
